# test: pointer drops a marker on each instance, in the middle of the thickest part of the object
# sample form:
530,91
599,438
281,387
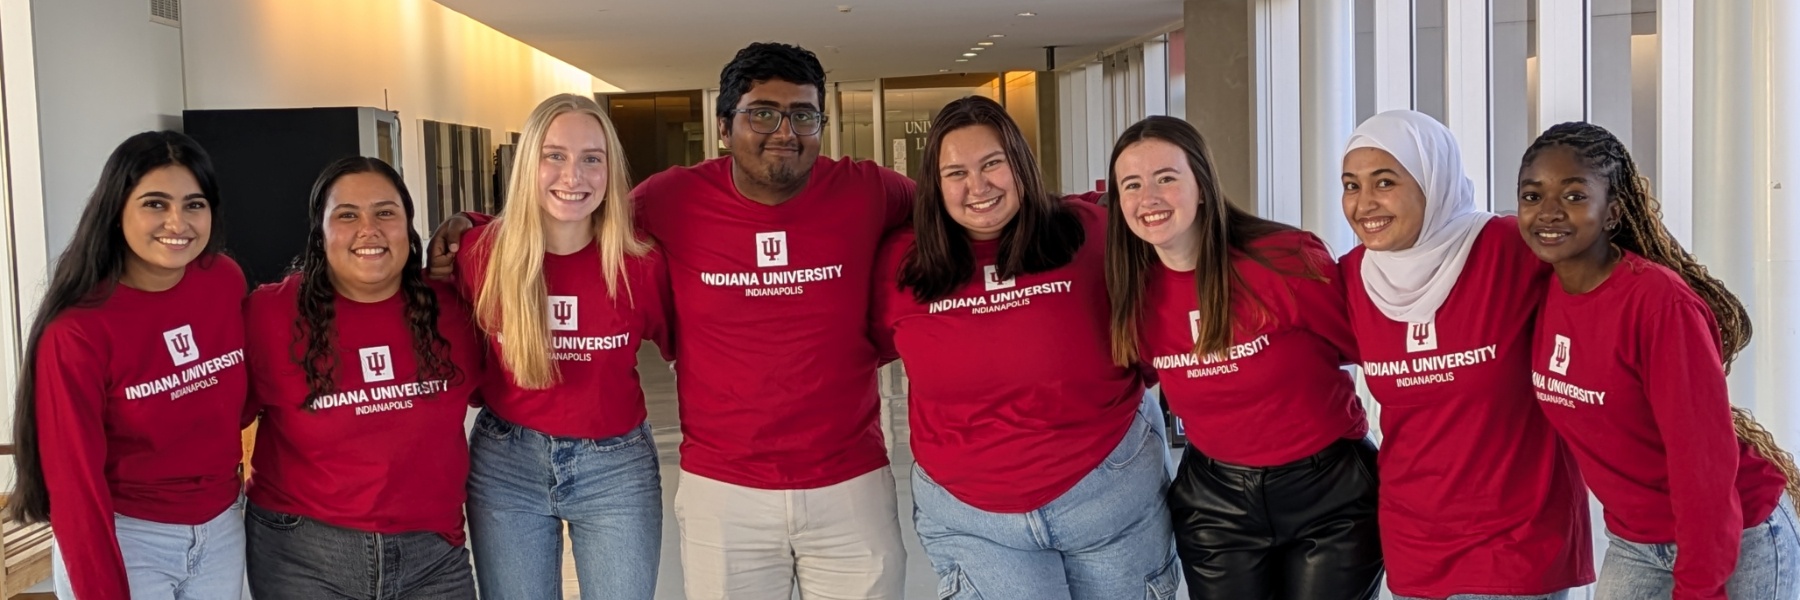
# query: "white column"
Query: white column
1780,328
22,228
1327,116
1466,94
1098,143
1275,42
1156,77
1072,141
1393,55
1725,154
1562,42
1675,117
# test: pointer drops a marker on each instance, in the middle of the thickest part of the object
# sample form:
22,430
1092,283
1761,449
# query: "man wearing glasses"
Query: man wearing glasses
785,479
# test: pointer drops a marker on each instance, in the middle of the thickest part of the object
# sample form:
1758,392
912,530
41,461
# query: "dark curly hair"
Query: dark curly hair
314,334
763,61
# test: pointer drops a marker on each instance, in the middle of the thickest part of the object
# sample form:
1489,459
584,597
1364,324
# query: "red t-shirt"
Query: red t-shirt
1642,401
1278,394
1014,396
1478,496
595,341
385,451
138,400
773,362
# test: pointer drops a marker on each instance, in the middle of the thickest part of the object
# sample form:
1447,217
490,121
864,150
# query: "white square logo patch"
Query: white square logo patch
180,341
990,279
377,364
1559,358
565,313
772,249
1421,337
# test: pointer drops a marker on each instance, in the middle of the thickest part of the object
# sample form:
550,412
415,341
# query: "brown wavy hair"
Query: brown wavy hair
1043,236
1223,227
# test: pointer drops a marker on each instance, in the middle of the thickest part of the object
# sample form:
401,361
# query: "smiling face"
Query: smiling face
779,160
1564,208
1383,202
365,236
572,168
980,191
1159,196
166,224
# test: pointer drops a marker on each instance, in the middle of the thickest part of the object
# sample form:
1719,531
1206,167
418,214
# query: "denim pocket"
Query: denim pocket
491,426
1163,584
638,436
274,520
954,585
1136,440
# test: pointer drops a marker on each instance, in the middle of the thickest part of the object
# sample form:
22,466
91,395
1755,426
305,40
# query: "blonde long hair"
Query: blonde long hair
513,296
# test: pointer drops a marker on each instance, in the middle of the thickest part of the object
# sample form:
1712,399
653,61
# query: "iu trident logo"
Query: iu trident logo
1194,325
377,364
772,249
1421,336
990,278
1559,359
180,341
565,313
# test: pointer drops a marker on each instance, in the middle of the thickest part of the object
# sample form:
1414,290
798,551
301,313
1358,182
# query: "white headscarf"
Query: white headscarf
1409,285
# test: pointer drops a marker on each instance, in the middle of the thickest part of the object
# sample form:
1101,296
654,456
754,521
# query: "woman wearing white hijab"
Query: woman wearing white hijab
1479,499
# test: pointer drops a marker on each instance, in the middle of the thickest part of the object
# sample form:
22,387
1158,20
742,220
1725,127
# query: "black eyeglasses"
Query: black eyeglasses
768,120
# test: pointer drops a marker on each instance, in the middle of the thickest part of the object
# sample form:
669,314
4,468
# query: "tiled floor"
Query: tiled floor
659,389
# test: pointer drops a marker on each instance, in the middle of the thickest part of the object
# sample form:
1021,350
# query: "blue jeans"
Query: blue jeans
1107,538
175,562
295,557
524,485
1768,566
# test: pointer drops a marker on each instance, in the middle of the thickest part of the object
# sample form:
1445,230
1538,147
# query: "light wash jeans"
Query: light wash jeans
175,562
1768,566
523,485
1107,538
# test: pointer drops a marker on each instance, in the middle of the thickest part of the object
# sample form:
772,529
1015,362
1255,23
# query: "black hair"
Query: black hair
763,61
85,275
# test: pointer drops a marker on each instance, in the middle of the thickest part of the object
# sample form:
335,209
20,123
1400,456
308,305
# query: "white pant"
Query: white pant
839,542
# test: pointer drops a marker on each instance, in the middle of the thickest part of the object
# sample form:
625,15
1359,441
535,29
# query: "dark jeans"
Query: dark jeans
1303,530
295,557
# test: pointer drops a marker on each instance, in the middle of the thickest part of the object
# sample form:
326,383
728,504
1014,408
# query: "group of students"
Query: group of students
1030,326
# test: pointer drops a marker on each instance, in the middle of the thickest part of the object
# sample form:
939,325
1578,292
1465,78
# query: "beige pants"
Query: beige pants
839,542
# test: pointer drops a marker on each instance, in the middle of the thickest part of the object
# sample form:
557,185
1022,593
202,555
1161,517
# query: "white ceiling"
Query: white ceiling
653,45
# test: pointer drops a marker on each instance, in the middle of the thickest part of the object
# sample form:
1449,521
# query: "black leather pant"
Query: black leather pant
1305,530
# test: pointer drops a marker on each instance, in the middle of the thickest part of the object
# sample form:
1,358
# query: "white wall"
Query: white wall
431,63
104,72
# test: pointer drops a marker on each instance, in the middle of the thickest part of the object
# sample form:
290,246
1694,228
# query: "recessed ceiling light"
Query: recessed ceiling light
984,43
1027,14
977,49
962,60
968,54
997,35
943,70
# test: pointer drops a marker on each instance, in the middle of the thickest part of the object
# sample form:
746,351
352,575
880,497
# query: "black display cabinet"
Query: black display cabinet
267,160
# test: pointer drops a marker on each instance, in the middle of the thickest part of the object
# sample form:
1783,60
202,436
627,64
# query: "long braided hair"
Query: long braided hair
1640,230
315,337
